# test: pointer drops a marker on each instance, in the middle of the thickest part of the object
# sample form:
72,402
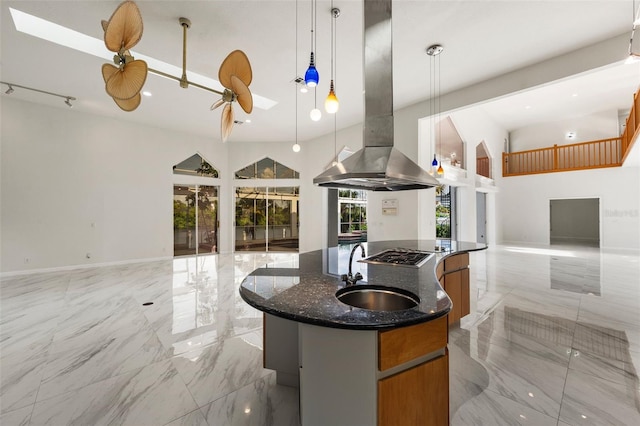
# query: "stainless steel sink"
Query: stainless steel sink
377,298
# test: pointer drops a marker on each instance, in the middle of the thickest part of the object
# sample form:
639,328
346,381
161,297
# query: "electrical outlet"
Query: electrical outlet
88,255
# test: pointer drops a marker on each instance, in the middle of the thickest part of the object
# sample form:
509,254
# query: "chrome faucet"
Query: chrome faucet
350,279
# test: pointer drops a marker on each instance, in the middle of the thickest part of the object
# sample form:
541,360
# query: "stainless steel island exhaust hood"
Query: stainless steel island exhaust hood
378,166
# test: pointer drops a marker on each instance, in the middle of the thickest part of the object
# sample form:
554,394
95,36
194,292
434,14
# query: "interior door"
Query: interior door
481,217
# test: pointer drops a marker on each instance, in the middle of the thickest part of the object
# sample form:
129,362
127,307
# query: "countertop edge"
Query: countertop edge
425,317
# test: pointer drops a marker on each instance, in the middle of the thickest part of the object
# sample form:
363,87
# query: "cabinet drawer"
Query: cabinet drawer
403,344
455,262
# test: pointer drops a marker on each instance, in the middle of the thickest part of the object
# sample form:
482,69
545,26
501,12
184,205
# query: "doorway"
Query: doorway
575,221
195,219
267,218
481,217
446,213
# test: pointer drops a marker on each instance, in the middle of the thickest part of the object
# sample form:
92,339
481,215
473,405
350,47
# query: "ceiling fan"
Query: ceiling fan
125,79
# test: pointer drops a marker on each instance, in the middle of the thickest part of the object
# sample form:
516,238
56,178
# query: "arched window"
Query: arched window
266,216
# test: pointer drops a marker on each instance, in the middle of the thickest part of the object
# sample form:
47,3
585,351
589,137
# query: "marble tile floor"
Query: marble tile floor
553,339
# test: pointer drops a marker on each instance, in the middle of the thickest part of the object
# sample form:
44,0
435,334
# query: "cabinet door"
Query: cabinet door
453,287
465,305
456,284
416,397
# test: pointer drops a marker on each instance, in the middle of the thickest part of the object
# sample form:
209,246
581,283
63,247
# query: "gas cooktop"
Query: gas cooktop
400,257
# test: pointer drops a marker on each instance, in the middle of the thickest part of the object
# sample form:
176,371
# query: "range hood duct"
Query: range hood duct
378,166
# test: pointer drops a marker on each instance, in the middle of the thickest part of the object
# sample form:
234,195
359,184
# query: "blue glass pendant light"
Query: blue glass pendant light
311,77
434,163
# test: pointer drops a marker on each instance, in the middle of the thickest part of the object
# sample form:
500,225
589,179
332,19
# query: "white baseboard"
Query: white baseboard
85,266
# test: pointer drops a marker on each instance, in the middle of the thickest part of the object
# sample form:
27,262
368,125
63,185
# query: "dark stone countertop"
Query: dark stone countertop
306,293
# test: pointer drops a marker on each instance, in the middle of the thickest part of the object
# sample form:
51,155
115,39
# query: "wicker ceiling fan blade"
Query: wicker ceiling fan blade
129,104
226,124
236,63
217,104
243,94
104,25
128,82
124,28
108,70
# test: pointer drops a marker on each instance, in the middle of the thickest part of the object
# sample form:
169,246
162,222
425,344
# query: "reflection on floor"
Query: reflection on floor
554,339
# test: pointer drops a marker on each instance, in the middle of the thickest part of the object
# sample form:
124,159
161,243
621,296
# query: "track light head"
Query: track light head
68,102
9,90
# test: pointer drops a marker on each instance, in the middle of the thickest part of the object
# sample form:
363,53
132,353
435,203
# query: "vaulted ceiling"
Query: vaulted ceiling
484,40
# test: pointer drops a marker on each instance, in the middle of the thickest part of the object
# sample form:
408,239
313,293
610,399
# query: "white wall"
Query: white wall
75,183
596,126
474,126
524,204
71,185
414,218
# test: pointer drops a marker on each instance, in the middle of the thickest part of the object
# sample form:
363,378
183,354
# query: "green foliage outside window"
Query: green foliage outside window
443,230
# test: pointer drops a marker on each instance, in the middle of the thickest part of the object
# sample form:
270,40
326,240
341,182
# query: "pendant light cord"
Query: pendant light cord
312,32
296,72
333,18
313,46
439,109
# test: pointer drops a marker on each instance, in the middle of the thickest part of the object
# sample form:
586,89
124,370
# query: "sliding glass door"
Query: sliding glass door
195,219
267,219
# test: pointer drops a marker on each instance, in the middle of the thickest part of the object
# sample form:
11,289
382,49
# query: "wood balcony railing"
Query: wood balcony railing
580,156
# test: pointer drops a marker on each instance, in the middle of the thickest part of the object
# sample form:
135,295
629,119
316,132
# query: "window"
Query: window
352,205
195,166
266,216
267,169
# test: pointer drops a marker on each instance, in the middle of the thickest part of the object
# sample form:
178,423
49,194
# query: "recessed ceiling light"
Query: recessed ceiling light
247,121
527,107
575,95
147,93
570,135
72,39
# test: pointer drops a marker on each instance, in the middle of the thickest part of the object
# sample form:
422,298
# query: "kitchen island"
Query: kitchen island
358,366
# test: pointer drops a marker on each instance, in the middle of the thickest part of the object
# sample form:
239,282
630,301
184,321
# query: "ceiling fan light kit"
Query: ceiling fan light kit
124,81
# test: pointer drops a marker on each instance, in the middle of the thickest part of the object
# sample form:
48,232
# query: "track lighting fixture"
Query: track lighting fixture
68,102
11,89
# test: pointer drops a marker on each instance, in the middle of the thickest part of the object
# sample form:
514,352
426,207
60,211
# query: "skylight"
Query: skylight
72,39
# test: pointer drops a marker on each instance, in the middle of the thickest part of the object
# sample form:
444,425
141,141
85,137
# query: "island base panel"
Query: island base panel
281,349
337,376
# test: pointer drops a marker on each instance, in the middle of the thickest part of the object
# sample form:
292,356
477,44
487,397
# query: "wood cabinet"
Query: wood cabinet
404,344
417,396
454,278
